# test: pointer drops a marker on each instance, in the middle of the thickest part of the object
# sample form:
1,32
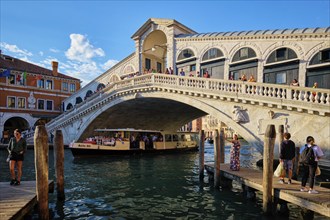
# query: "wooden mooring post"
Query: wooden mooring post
267,179
59,164
201,154
217,158
222,145
280,137
41,166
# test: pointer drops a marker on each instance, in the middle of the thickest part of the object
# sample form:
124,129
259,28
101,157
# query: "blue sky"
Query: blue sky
88,37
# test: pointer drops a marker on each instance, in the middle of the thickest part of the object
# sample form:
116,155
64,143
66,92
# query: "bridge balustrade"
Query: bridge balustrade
294,97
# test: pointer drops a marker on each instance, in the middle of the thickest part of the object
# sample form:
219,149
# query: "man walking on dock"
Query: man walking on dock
287,154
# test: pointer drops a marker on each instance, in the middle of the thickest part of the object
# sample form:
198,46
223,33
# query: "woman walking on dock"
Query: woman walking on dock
16,149
234,154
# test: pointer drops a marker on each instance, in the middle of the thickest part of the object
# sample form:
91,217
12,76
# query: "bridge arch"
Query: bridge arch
213,60
69,106
281,66
188,107
154,51
317,67
244,61
78,100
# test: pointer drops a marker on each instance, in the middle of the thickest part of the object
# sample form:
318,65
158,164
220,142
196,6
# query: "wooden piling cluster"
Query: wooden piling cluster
41,151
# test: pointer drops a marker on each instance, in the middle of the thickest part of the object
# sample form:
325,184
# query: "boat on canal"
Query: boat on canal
133,141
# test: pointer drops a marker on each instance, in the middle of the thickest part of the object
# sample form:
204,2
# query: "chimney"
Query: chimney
55,67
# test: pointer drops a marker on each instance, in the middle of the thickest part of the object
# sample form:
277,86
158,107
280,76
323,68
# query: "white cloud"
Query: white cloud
110,63
14,49
81,50
41,53
54,50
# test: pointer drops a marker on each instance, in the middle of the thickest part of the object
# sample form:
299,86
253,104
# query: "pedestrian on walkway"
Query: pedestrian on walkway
234,154
16,149
287,155
309,168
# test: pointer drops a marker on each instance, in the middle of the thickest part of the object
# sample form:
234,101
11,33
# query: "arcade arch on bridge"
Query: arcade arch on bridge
154,52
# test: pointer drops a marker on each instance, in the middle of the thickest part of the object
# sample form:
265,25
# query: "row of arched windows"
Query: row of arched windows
281,66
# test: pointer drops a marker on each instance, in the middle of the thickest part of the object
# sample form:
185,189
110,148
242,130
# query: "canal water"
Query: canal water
146,187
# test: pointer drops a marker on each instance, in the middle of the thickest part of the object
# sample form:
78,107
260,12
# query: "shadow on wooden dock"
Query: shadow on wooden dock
319,203
18,201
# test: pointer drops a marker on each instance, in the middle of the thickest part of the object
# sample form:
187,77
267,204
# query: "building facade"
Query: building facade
30,95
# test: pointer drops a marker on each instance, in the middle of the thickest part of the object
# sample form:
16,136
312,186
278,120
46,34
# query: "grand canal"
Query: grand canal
146,187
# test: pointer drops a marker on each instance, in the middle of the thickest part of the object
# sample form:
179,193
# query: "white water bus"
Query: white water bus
132,141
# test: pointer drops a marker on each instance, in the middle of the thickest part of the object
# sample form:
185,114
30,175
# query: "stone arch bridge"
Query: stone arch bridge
166,102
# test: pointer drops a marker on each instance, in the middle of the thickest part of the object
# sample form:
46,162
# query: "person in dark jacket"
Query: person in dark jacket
16,149
287,155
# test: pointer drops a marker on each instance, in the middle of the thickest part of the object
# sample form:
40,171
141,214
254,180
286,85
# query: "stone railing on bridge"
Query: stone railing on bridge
301,99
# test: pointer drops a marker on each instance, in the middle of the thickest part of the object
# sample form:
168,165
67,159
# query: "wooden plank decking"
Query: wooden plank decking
17,201
319,203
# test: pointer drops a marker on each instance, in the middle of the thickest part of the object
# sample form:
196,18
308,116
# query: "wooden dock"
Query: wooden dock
17,201
319,203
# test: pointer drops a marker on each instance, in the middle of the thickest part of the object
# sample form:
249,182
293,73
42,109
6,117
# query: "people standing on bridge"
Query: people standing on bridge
170,71
206,74
309,170
16,149
251,79
167,71
234,154
294,82
182,73
243,78
287,155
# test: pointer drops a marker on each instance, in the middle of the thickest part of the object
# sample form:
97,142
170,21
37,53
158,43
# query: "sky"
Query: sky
89,37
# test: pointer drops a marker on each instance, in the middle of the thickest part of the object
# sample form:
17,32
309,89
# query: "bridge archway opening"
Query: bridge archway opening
14,123
154,52
144,113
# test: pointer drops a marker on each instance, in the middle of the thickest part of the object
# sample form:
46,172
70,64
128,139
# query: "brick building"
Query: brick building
30,95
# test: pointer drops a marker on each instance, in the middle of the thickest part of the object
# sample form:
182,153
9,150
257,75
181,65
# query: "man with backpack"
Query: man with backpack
309,157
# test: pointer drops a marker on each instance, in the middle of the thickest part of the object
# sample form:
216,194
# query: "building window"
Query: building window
72,87
243,54
41,104
281,78
21,102
49,105
281,54
212,54
41,83
187,53
325,55
49,84
159,67
65,86
12,79
148,64
193,67
11,102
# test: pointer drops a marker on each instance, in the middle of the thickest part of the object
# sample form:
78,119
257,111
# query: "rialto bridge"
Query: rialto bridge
129,96
166,102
